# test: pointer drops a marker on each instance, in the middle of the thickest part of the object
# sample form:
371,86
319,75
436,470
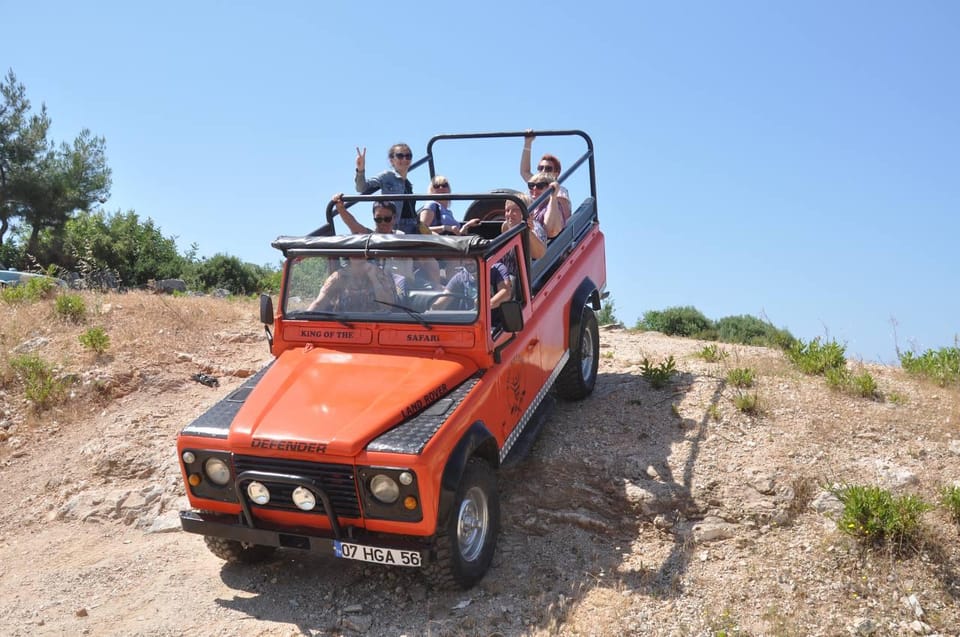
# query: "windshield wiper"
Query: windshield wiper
413,313
325,315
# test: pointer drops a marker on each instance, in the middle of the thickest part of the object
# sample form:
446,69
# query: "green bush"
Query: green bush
862,384
741,377
607,314
33,289
747,403
95,339
713,353
675,321
41,387
814,358
749,330
941,366
951,500
658,375
874,516
70,307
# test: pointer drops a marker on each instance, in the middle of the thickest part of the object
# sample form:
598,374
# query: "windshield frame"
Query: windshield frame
356,287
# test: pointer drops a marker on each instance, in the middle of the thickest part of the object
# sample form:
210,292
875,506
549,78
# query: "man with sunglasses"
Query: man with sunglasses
391,182
384,220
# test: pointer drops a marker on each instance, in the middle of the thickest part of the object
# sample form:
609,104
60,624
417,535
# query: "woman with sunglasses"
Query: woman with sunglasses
437,216
512,217
552,214
547,164
391,182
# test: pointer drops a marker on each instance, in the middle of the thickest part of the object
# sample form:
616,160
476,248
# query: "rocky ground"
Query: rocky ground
639,511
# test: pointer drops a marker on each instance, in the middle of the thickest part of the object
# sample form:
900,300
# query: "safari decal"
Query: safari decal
327,334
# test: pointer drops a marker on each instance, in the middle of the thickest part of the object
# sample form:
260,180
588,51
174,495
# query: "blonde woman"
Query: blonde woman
513,217
551,213
437,215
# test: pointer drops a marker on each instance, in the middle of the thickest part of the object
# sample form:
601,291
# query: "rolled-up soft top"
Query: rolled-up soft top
382,244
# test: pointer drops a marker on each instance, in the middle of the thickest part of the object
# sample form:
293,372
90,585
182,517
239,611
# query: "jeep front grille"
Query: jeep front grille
337,481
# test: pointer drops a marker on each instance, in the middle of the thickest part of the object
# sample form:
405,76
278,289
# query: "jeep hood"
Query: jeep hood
337,401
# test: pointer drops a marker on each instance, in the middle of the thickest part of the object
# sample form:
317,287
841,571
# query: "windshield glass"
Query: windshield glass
396,289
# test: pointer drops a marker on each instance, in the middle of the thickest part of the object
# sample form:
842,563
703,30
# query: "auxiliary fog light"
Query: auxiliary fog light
189,457
258,493
405,478
304,499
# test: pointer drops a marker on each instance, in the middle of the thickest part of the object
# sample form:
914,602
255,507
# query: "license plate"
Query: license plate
394,557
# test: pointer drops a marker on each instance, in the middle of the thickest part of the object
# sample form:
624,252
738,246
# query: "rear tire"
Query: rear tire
238,552
465,546
579,375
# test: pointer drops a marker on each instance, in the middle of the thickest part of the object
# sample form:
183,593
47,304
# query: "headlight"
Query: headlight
217,470
258,493
384,488
304,499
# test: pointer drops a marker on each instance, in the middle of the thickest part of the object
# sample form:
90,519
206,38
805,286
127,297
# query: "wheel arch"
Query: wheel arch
587,292
477,441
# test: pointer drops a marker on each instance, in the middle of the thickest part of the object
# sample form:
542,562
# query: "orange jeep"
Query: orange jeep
376,432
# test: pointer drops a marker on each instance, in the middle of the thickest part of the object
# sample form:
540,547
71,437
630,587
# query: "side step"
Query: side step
524,444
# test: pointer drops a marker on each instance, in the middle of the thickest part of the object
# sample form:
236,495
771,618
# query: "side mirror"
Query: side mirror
512,314
266,309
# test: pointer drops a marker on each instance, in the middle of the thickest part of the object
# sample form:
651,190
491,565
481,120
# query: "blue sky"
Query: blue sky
798,161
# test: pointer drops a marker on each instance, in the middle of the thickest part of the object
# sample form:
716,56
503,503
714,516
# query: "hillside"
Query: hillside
639,511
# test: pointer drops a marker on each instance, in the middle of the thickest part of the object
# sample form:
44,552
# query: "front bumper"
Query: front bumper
231,528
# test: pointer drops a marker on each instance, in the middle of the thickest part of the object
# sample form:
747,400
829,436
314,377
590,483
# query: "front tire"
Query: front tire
465,546
238,552
579,375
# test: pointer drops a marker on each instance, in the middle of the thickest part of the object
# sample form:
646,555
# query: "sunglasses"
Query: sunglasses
546,168
442,185
401,156
383,219
532,185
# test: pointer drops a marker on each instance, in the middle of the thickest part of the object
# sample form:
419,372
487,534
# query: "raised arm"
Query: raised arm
363,185
553,218
355,226
525,173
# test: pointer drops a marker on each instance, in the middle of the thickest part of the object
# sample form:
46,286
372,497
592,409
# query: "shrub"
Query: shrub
713,354
874,516
607,315
41,387
741,377
747,403
95,339
658,375
863,384
749,330
941,366
951,499
33,289
814,358
675,321
70,307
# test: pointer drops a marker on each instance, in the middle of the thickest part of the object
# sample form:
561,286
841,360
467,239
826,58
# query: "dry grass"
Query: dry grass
147,333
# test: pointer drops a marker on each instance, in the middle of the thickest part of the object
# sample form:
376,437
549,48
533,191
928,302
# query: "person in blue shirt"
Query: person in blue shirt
437,215
391,182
